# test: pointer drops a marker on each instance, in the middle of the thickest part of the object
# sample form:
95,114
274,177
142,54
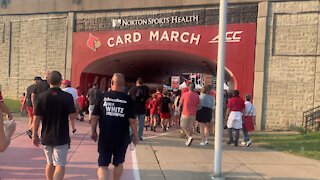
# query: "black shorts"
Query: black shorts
115,151
204,115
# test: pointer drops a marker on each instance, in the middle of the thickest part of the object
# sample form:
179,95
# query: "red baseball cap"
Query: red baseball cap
66,82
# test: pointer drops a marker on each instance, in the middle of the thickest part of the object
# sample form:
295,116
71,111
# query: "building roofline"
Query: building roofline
15,7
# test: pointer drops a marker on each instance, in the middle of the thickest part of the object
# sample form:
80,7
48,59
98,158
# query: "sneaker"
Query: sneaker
230,142
189,141
29,133
206,142
243,143
73,131
248,143
202,143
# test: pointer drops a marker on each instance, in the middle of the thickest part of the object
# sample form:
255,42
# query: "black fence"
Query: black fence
311,120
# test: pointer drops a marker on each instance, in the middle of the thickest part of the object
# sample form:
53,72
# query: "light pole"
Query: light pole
220,81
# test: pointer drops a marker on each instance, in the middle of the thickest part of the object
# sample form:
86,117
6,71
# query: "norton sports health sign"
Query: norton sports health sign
201,41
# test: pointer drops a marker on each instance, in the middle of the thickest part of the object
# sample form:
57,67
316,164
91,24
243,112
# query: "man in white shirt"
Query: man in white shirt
66,87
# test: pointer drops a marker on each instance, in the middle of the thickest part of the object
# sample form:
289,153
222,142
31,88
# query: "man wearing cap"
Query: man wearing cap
66,87
29,105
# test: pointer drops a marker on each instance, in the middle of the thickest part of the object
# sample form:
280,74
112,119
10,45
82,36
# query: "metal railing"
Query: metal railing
311,120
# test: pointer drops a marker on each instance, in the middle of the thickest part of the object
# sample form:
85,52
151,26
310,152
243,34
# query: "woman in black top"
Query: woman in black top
165,109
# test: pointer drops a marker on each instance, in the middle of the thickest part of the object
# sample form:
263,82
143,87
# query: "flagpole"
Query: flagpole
220,82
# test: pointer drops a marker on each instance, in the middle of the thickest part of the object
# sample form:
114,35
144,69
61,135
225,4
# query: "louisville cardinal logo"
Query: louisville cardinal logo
93,42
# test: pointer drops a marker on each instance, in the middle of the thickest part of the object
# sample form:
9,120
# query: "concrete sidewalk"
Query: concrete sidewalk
167,157
160,156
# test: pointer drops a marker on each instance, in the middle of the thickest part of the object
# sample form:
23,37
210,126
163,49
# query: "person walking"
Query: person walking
92,96
190,102
29,105
115,113
204,114
140,94
235,108
41,86
249,120
54,108
154,112
177,110
5,136
165,110
66,87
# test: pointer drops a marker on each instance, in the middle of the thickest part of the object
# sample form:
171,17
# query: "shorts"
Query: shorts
110,151
30,112
155,116
187,121
204,115
165,115
147,112
56,155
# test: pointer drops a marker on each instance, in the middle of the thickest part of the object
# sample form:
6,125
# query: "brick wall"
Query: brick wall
292,62
29,45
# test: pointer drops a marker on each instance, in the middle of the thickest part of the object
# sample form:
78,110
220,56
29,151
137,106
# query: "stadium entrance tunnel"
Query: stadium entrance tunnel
152,66
156,54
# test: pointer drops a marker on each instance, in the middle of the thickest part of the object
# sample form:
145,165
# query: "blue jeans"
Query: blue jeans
245,135
141,124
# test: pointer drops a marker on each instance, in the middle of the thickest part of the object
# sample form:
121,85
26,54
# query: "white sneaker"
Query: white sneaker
189,141
202,144
206,142
248,143
243,143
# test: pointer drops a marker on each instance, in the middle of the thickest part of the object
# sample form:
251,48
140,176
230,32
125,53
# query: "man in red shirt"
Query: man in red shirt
190,102
235,109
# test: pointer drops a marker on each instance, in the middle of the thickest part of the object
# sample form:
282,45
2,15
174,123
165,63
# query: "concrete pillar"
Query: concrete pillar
69,39
259,70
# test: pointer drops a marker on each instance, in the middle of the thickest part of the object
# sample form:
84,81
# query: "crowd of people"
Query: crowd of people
122,116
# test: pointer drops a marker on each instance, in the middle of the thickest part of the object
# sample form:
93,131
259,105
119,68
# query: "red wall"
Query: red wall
240,53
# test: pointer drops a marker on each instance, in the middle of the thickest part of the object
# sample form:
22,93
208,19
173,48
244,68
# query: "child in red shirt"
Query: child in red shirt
82,100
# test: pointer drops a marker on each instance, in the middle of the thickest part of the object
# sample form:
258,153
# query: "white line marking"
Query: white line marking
135,166
158,135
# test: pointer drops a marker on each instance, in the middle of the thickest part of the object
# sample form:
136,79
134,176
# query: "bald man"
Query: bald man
115,112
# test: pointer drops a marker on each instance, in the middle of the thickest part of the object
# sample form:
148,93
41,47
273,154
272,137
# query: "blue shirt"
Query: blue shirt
207,100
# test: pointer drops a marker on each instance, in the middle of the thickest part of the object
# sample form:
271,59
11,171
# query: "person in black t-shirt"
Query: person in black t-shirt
115,112
40,87
29,105
140,94
165,109
54,108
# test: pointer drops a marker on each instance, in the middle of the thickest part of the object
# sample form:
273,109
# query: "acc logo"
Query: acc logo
231,36
93,42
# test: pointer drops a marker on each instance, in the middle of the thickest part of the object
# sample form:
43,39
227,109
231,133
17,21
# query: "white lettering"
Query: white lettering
119,40
235,36
182,37
193,38
136,37
231,36
164,36
127,38
154,35
174,36
110,44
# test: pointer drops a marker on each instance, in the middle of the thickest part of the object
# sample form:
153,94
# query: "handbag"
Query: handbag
9,127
